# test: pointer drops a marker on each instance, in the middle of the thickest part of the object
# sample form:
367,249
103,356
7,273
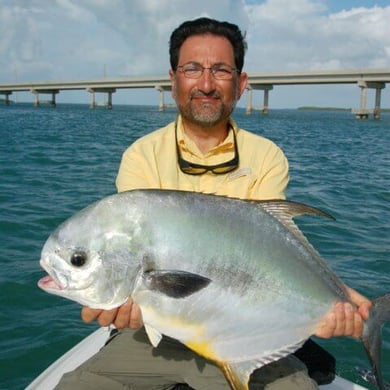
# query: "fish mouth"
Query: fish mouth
50,281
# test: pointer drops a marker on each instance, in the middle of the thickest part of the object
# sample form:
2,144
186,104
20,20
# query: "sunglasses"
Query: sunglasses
190,168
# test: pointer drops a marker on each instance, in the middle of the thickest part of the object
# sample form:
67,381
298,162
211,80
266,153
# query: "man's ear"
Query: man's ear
243,83
172,76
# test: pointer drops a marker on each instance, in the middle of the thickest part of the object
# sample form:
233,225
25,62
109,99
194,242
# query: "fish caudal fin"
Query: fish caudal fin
372,336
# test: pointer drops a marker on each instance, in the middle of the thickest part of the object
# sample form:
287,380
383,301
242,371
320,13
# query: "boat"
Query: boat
91,344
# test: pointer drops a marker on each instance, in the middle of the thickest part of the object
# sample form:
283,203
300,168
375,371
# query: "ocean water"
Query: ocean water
53,162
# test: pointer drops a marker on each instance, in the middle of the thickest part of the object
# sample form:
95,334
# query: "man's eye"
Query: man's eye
191,69
222,70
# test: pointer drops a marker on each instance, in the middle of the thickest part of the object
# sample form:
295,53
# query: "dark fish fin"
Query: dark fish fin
372,335
175,284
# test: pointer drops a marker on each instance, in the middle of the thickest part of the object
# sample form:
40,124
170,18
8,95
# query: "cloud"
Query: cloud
80,38
301,35
85,39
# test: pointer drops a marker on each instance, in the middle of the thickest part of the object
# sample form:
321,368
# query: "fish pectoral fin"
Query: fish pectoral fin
238,374
153,334
175,284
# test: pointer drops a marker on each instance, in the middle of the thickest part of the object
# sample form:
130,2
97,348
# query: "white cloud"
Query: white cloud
299,35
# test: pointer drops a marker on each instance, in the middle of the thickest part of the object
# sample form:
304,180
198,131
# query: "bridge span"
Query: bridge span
362,78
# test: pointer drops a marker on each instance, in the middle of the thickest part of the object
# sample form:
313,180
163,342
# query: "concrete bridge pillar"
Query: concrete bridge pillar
161,102
363,101
378,92
109,92
266,88
266,98
6,95
249,98
52,92
36,98
92,105
109,100
362,112
53,99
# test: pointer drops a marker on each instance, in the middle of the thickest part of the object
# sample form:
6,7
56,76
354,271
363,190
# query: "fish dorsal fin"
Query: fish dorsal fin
284,211
175,283
153,334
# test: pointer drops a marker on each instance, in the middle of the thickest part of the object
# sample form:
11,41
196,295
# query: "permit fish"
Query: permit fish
234,280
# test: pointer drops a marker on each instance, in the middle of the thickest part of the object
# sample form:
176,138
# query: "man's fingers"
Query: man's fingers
123,316
136,317
107,317
358,325
340,319
89,315
349,321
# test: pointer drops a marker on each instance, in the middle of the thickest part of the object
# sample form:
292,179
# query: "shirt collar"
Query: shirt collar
187,145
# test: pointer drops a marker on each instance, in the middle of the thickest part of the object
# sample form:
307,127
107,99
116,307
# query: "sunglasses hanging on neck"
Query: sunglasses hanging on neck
190,168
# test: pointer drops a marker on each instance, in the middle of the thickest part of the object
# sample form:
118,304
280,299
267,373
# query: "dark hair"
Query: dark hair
208,26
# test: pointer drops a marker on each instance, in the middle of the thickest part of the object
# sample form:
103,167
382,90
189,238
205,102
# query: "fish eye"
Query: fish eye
79,258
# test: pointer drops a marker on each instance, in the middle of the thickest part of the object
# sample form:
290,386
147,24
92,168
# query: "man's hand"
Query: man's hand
344,319
126,316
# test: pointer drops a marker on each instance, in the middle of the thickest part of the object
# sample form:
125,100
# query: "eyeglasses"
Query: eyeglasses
194,70
197,169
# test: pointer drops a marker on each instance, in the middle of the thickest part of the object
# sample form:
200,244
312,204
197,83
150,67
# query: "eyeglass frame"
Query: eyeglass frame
213,69
233,163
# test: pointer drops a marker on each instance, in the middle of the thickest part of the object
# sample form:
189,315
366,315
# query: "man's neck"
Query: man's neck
206,138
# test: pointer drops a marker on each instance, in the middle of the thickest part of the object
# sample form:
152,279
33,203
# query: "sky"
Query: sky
52,40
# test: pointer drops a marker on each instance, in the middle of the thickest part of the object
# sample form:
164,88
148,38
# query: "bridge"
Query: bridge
362,78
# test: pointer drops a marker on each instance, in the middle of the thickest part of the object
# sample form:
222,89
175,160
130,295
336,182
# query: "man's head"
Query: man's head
206,70
208,26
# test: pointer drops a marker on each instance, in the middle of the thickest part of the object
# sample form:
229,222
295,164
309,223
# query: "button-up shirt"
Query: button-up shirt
151,162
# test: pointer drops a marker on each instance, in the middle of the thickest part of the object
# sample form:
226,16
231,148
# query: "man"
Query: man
204,151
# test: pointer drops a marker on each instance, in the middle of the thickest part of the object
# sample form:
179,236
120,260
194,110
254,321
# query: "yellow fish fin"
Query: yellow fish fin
237,376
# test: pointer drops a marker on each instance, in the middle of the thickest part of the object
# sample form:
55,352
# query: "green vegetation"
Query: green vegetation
313,108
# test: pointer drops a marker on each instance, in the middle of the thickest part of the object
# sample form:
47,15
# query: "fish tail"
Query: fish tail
372,335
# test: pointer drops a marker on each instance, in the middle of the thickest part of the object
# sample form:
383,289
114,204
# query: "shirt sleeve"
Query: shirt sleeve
273,181
135,172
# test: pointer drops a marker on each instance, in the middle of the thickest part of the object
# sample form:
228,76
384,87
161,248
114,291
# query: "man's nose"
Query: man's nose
206,81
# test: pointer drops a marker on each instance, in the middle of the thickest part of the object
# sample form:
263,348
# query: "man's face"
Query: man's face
206,101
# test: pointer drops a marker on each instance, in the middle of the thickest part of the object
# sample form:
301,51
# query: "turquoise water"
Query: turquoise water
55,161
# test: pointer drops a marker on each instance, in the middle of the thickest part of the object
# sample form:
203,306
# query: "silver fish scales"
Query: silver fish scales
234,280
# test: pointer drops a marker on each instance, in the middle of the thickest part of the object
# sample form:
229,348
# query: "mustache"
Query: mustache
199,94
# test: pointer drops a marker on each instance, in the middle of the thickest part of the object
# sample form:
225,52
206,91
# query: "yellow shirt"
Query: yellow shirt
151,162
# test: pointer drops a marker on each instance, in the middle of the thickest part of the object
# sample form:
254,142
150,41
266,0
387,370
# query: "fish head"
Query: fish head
88,259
